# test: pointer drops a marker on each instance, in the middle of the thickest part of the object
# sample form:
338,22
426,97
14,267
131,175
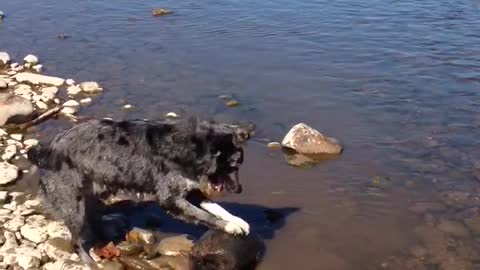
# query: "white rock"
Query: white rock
17,136
32,203
3,84
38,79
46,97
14,65
4,58
90,87
57,229
14,224
34,233
56,100
172,115
308,141
70,82
12,84
11,72
10,151
22,89
36,98
8,173
51,90
73,90
127,106
30,142
4,211
71,103
38,68
3,198
31,59
12,206
86,101
41,105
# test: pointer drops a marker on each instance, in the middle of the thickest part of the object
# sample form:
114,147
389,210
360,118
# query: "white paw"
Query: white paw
242,223
233,228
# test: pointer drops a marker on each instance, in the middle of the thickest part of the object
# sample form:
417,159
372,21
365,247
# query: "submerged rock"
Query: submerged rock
13,106
156,12
308,141
222,251
175,245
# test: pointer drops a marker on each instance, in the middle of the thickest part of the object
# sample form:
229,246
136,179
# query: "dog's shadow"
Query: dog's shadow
264,221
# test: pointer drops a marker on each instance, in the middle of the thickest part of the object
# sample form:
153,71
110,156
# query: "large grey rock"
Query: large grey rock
38,79
308,141
13,106
8,173
220,250
4,58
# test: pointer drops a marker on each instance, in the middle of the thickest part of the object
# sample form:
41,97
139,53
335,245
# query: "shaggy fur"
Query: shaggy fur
165,161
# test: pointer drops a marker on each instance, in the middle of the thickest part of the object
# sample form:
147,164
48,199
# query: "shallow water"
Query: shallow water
396,82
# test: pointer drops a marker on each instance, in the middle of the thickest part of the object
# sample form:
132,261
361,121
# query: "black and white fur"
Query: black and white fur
162,160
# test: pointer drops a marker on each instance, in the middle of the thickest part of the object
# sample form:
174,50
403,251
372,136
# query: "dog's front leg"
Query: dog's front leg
220,212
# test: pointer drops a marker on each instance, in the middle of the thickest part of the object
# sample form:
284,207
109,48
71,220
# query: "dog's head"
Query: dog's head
226,147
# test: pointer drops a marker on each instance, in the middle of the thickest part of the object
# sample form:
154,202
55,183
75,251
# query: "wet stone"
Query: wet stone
131,263
172,246
128,249
140,237
453,228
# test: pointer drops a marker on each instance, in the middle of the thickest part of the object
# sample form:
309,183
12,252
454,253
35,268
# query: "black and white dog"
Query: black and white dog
168,161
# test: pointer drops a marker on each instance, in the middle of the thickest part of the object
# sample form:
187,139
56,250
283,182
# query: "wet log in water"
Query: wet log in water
217,250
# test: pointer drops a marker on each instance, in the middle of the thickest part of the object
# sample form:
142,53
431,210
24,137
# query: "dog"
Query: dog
179,164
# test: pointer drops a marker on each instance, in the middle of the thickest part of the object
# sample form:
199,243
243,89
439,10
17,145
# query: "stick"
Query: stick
43,117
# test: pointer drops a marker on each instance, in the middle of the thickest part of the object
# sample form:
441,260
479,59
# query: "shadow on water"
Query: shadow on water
125,215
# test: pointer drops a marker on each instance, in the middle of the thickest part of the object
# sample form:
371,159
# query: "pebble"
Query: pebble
58,229
3,133
90,87
73,90
70,107
41,105
4,57
14,224
14,65
71,103
3,199
31,59
35,229
3,84
51,90
58,248
70,82
8,173
86,101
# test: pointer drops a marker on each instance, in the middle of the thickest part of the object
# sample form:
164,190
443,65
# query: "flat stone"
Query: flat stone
85,101
10,241
8,173
69,110
172,246
71,103
41,105
10,151
306,140
39,79
31,59
16,136
129,249
3,199
90,87
4,58
29,143
3,84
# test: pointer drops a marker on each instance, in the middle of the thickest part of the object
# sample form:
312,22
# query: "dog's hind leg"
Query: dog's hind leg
69,199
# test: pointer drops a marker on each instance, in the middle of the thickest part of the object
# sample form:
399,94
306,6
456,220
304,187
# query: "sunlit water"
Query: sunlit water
398,82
